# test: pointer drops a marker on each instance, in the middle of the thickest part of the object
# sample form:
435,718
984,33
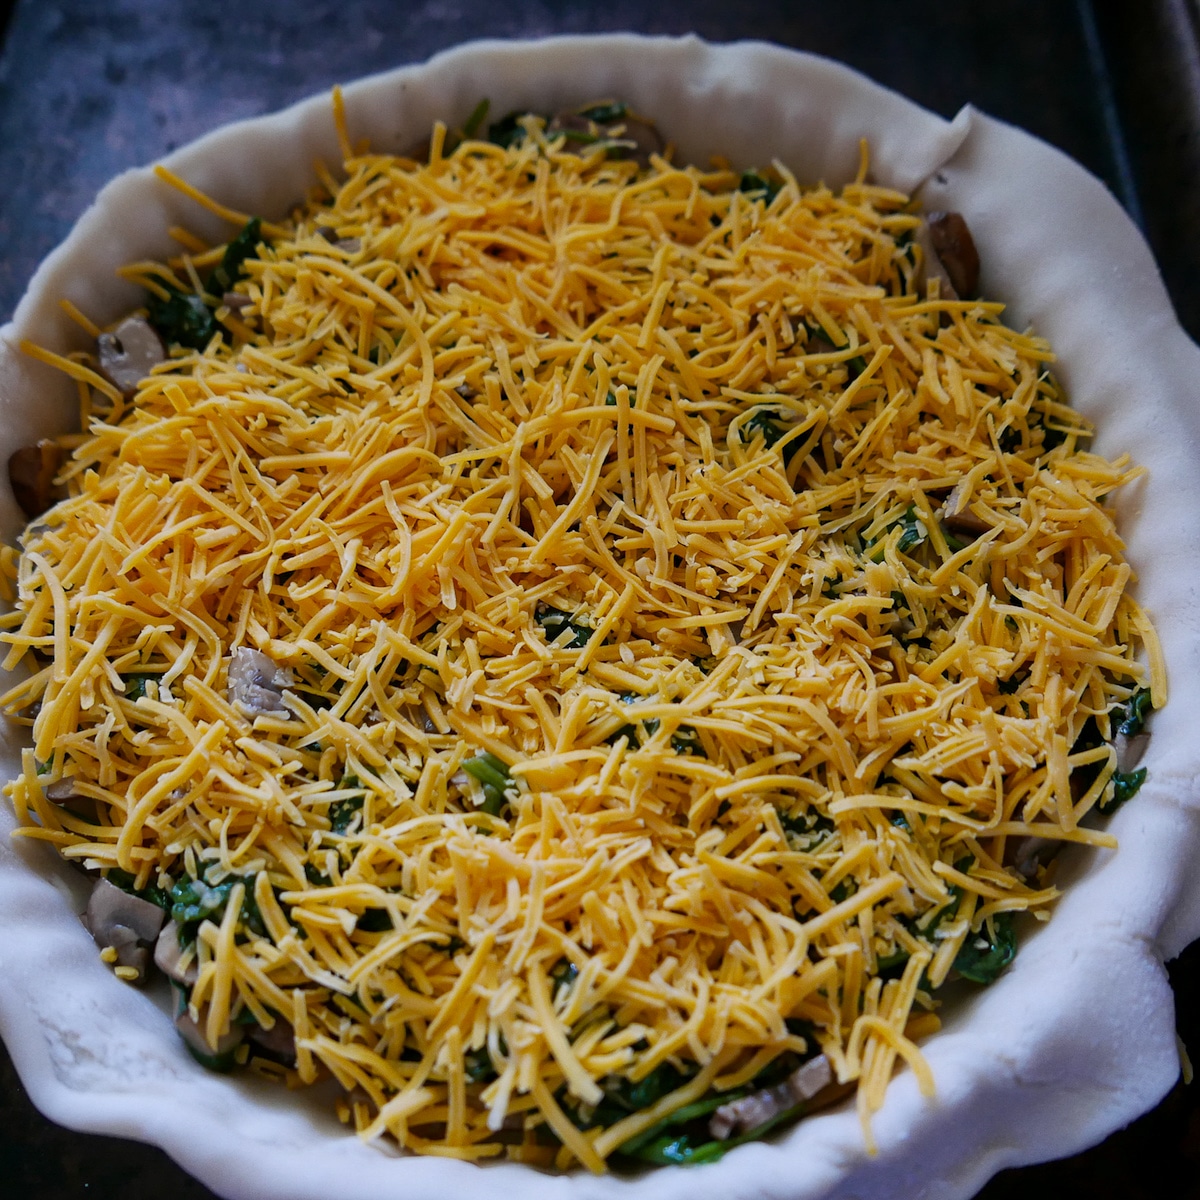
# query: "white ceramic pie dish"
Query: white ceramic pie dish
1077,1038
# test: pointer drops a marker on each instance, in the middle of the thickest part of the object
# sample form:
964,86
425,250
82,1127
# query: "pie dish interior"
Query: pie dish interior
1077,1038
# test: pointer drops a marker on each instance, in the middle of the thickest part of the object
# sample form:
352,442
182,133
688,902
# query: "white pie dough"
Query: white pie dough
1077,1038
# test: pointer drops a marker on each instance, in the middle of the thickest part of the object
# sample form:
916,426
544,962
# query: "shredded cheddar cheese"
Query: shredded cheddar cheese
642,712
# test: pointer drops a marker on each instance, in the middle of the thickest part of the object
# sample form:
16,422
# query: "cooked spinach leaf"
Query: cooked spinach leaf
912,534
807,828
1130,718
477,1065
766,422
1125,785
605,114
703,1107
342,812
135,685
155,895
508,131
194,901
692,1149
555,622
375,920
754,184
1127,719
685,739
183,319
986,953
242,247
1008,686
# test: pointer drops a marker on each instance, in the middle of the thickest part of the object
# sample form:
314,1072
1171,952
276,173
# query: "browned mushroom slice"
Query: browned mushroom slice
350,245
359,1095
257,683
129,353
278,1042
748,1113
931,266
817,343
572,122
419,718
636,139
631,137
62,792
31,472
958,518
126,923
955,249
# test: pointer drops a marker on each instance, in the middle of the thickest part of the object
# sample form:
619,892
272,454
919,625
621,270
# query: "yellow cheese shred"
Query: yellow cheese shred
646,721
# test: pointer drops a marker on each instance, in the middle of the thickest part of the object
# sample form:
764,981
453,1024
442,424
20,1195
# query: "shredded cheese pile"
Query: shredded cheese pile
632,481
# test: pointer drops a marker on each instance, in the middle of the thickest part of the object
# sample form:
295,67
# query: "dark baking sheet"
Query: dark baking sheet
90,88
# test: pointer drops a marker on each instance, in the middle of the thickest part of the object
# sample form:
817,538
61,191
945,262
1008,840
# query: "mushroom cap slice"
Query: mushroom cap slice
31,472
955,248
257,683
129,353
168,956
125,923
110,908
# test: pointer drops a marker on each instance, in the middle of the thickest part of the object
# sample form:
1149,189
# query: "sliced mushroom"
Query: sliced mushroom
257,683
955,249
278,1042
630,136
31,471
818,343
62,792
931,266
1027,854
810,1078
419,718
168,957
109,906
748,1113
1130,749
359,1095
569,121
236,301
958,518
126,923
129,353
197,1043
639,139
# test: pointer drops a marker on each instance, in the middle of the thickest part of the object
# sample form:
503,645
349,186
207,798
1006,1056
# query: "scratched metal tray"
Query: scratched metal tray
90,88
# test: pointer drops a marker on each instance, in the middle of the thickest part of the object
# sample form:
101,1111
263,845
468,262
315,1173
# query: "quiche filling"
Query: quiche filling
578,652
